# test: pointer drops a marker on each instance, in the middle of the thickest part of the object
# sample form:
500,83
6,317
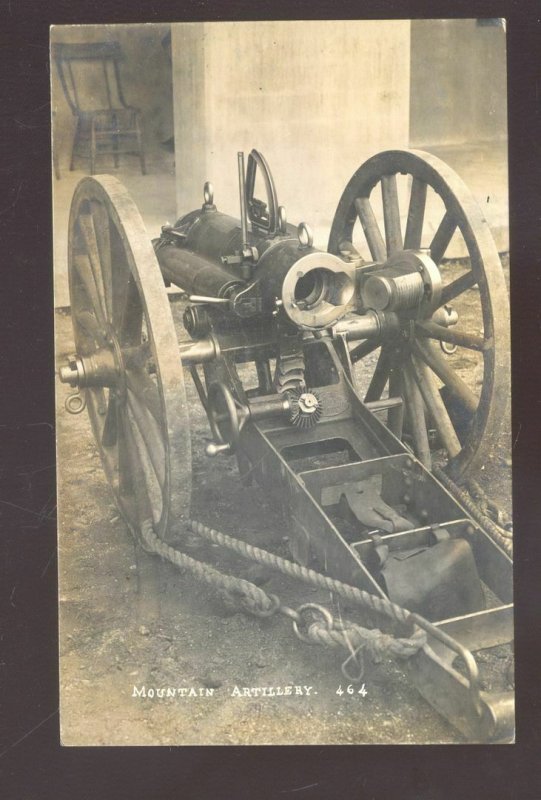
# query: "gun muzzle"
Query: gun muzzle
318,290
314,288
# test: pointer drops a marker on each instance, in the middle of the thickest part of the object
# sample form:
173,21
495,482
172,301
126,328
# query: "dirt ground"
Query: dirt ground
117,632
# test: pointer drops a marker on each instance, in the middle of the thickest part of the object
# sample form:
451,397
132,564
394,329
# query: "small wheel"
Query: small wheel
461,396
127,346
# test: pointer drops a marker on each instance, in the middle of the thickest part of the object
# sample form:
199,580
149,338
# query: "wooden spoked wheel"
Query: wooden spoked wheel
124,333
455,391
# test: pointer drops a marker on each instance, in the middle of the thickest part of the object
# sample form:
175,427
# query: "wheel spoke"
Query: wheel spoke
432,397
362,350
371,229
137,357
380,376
144,388
440,366
88,322
395,416
109,436
82,265
132,316
483,330
125,477
151,435
86,226
442,237
416,416
416,215
121,276
101,229
452,336
116,290
133,471
454,289
391,214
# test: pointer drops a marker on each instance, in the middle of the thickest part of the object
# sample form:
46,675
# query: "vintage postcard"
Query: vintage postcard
281,257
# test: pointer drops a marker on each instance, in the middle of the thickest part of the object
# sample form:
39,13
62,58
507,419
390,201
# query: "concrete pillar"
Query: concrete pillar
459,111
465,99
317,98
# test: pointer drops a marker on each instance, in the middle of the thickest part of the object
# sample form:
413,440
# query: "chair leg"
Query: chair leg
115,141
74,144
142,157
93,149
141,147
56,168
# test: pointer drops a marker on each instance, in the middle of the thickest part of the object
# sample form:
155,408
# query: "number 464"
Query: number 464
350,689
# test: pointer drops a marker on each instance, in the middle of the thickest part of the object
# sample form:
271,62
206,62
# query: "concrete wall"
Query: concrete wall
458,82
145,74
317,98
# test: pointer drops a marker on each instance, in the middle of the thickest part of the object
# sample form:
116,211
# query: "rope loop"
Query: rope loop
310,636
356,657
256,608
312,622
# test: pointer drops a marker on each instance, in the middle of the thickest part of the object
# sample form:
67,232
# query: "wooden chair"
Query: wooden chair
105,123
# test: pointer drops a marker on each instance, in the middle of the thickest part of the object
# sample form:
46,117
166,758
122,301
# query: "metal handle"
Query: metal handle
242,193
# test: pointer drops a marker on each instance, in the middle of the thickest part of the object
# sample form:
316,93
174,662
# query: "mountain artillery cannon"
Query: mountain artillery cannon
357,385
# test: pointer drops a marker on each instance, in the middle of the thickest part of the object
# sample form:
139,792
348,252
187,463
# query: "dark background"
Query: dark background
32,763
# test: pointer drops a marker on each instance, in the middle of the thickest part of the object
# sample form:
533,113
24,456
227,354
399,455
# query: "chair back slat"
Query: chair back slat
86,51
107,85
82,85
75,96
106,125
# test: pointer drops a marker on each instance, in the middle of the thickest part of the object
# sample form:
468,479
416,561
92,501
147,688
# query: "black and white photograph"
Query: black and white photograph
283,382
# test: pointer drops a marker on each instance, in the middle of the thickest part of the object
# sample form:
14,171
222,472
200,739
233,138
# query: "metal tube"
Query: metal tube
242,193
198,298
265,406
367,326
194,274
264,376
197,352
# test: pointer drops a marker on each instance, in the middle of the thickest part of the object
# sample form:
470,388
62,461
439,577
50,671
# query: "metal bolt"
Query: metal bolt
213,449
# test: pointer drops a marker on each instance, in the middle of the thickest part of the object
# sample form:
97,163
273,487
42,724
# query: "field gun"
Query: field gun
338,380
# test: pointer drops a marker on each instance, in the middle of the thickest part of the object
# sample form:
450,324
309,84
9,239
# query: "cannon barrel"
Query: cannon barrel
208,258
194,274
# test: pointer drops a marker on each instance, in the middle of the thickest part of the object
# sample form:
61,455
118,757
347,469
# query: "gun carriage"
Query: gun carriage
357,418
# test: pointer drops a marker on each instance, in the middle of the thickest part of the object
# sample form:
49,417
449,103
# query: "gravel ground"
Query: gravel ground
127,621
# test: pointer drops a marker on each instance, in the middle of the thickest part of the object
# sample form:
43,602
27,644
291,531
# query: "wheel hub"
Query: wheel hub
409,281
98,369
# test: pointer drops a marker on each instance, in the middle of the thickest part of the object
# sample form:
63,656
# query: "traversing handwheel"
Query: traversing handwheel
455,380
128,357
